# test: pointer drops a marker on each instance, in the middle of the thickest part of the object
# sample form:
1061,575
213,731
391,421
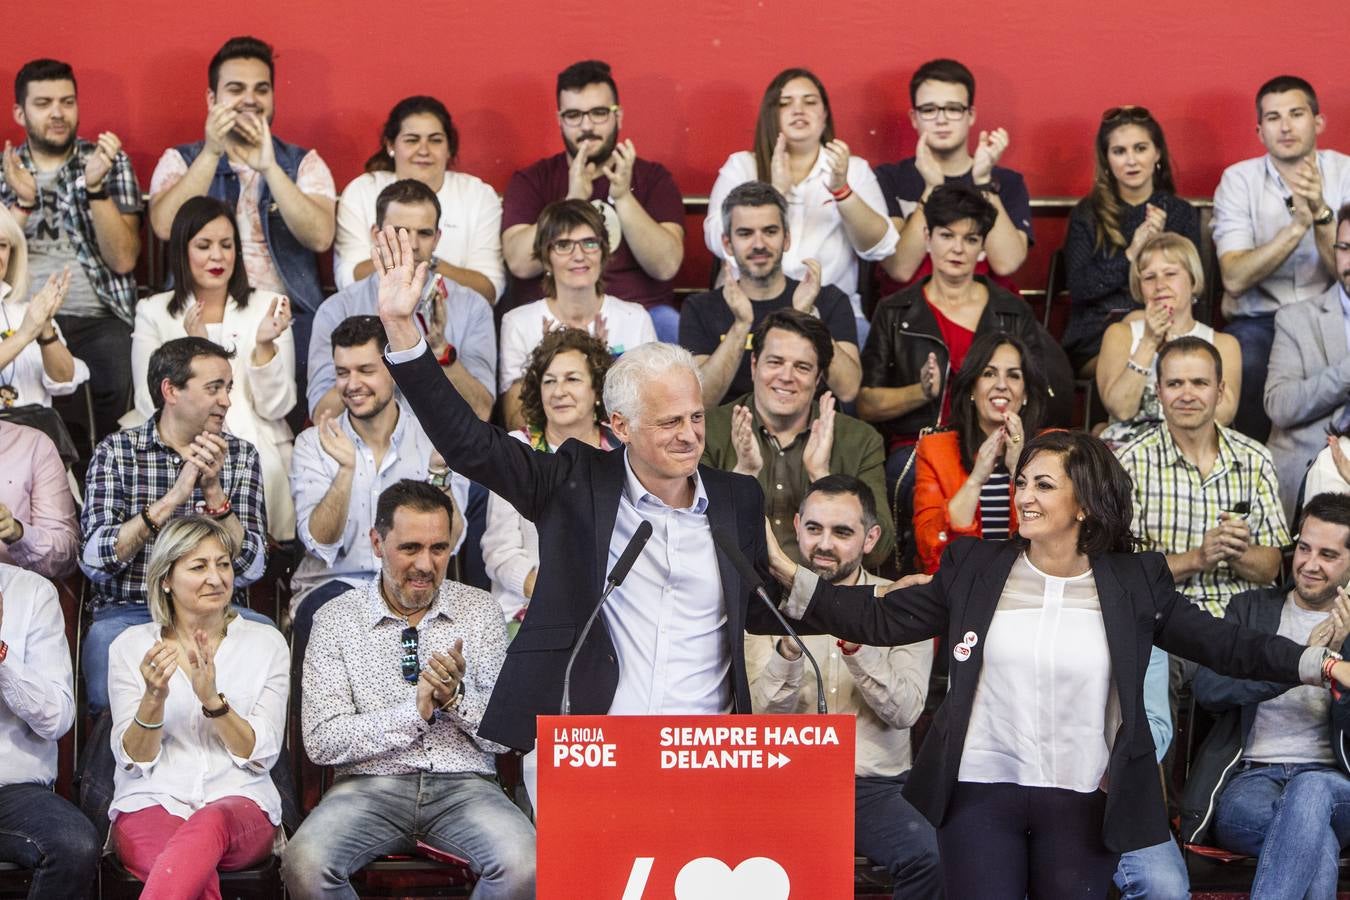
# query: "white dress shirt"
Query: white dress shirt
668,618
814,222
360,715
25,373
351,558
885,687
259,402
37,686
193,766
471,225
1044,710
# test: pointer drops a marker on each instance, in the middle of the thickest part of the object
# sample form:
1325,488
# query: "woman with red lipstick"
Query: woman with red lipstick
1166,275
963,475
211,298
836,212
419,141
1132,200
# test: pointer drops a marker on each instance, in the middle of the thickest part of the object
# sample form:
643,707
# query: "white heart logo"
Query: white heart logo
757,878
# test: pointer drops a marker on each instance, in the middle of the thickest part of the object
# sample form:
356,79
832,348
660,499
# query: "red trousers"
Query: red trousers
178,858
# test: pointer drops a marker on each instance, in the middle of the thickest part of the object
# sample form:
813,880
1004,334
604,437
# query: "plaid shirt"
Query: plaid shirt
132,469
1174,505
118,292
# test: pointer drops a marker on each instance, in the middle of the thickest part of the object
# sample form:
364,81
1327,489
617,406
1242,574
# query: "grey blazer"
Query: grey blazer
1307,386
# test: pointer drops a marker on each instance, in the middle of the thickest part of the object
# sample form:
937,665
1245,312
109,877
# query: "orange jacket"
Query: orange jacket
938,475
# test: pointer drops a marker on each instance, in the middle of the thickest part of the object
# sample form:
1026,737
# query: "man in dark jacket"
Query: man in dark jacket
1271,777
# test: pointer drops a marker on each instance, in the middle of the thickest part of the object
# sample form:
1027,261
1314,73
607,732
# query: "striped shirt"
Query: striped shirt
1174,505
994,506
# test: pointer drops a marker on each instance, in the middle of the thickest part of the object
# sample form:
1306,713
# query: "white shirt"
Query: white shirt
814,223
1040,716
26,374
668,618
626,325
1249,209
37,686
471,225
885,687
510,548
193,767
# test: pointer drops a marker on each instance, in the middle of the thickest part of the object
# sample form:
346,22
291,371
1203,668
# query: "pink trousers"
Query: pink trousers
178,858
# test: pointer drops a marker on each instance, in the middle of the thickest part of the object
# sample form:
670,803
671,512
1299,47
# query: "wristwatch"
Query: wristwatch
989,187
217,713
438,479
1325,217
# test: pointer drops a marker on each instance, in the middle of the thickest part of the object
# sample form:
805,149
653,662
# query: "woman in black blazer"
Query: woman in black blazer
1039,768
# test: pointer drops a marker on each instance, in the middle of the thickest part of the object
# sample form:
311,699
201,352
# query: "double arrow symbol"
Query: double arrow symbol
777,760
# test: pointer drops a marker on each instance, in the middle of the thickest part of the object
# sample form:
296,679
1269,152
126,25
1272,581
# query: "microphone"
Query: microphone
614,579
727,544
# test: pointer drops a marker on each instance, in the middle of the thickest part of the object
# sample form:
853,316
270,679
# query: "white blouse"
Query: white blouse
627,325
193,766
25,375
1044,711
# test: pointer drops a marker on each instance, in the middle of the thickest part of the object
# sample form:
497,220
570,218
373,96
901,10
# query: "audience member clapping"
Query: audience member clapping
572,244
212,299
1133,200
419,140
963,476
836,211
199,718
1167,277
560,399
38,528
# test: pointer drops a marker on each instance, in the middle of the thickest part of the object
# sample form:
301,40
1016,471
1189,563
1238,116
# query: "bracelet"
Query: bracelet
218,512
1326,668
149,522
1135,367
43,342
842,194
4,651
448,356
146,725
25,207
453,702
98,193
843,648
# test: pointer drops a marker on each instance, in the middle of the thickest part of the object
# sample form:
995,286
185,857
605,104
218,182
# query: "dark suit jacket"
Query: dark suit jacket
1140,607
572,497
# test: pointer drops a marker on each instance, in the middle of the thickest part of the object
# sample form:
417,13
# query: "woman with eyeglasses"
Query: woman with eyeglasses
198,699
836,212
419,140
1133,198
572,244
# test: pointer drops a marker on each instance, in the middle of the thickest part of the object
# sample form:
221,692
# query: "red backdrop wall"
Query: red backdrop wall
690,74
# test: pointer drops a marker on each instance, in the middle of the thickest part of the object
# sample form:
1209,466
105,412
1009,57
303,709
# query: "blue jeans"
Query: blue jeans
1255,335
1294,818
891,833
109,622
1153,873
47,834
666,321
364,817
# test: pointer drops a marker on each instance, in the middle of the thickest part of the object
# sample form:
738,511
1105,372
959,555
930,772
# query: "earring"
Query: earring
972,398
1082,517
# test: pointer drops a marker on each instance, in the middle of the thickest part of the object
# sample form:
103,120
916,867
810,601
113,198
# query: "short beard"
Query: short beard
47,148
1319,601
842,570
598,157
370,415
764,280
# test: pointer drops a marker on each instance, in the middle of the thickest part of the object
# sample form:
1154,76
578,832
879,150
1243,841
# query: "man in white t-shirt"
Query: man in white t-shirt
284,197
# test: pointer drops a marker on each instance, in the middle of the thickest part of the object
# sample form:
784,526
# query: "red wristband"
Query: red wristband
842,194
448,356
843,647
219,512
4,651
1326,668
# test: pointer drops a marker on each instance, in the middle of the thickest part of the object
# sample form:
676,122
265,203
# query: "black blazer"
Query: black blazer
572,497
1140,607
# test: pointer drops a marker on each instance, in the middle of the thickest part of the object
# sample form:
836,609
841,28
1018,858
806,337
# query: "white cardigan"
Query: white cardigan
259,402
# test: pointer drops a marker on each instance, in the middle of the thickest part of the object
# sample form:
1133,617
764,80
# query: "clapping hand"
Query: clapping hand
581,171
220,121
820,443
1306,183
619,169
334,440
11,529
1332,631
202,668
1015,439
930,378
736,299
1157,324
986,458
808,289
1338,458
207,453
19,179
836,156
1155,220
100,162
927,164
42,309
194,320
255,136
780,166
275,323
157,667
743,441
989,150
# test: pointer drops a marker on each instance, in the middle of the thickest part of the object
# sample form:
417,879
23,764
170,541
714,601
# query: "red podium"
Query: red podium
695,807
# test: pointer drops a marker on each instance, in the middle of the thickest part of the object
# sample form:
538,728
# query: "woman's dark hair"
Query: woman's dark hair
192,217
556,221
955,202
381,161
766,125
561,341
964,416
1100,483
1104,200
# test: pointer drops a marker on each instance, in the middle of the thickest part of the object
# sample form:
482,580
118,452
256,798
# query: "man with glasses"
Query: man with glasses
942,92
1274,224
396,679
643,209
